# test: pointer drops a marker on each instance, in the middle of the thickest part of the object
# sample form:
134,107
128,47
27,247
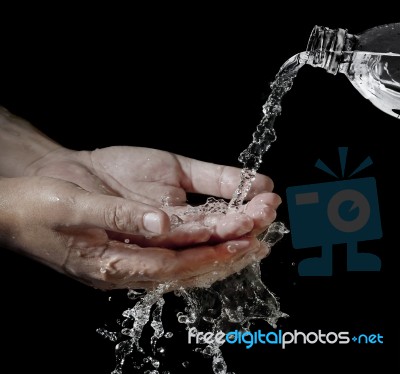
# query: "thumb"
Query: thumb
119,214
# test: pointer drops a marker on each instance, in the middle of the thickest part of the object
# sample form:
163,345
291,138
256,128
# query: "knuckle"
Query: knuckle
120,218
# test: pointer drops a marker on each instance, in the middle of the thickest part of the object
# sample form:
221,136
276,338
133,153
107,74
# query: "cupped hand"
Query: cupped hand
105,217
66,227
159,178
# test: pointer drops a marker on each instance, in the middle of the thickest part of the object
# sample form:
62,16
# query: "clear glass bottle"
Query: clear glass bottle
370,60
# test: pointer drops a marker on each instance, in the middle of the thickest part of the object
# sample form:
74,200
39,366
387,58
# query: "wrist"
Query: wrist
8,214
21,145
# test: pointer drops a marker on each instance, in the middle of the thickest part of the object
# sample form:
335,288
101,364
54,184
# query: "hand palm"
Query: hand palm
142,174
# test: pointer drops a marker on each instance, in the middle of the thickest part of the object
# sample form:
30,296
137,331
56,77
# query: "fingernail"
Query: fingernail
152,223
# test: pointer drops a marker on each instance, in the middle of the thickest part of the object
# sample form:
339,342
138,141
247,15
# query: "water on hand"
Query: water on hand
224,305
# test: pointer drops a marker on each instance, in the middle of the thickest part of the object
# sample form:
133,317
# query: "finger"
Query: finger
167,265
122,263
217,272
117,214
218,180
262,210
230,226
214,228
188,234
222,272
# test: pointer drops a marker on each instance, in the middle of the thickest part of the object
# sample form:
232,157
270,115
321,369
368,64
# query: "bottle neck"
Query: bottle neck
326,46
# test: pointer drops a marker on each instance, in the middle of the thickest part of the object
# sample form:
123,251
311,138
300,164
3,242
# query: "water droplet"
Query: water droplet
126,331
165,201
112,336
231,248
127,241
169,334
185,364
219,366
126,313
175,221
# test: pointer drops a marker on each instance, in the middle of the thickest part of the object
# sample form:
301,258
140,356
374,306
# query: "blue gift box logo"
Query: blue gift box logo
343,211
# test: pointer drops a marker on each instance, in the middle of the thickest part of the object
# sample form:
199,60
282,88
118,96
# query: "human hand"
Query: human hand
141,178
154,177
65,227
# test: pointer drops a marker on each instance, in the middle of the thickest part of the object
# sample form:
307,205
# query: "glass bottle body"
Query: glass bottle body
377,77
371,61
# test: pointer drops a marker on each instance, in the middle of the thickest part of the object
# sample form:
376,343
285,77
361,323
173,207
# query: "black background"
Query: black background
192,81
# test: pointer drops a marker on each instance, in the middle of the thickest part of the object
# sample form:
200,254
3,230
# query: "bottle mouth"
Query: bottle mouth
323,38
325,47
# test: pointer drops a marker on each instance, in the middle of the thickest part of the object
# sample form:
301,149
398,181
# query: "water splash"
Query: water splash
228,304
223,305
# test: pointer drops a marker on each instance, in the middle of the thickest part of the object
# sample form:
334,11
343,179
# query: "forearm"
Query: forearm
21,144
